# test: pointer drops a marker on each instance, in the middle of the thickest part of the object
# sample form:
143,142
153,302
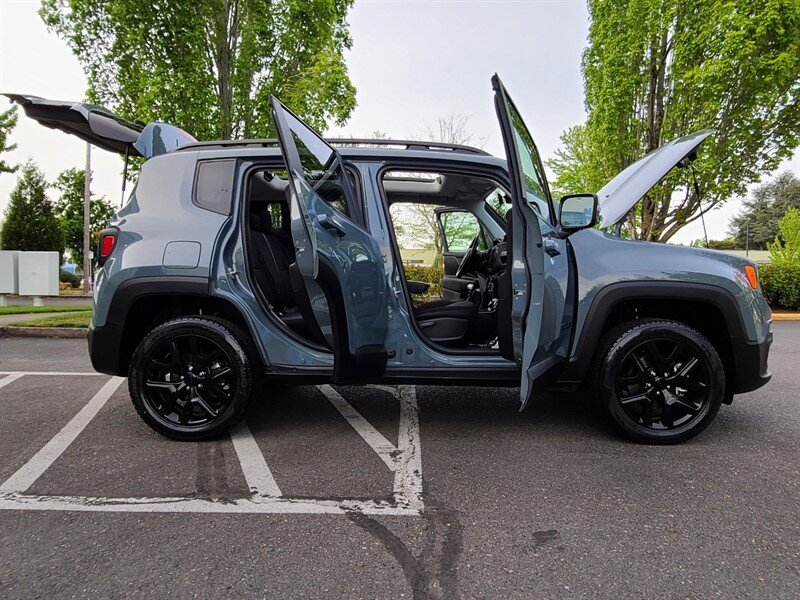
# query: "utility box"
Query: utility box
9,271
38,273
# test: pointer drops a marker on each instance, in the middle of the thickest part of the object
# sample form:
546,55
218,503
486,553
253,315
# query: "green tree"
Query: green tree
658,69
29,221
788,250
764,210
210,66
69,208
8,120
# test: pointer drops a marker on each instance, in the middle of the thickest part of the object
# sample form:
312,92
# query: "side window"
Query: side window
321,167
499,202
460,229
276,215
213,185
532,172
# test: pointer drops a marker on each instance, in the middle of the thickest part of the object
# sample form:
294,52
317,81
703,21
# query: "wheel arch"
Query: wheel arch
142,303
711,310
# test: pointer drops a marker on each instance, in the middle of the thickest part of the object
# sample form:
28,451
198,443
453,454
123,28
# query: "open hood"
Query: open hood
619,195
102,128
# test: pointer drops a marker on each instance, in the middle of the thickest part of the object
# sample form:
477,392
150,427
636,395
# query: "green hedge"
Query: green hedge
780,283
432,275
67,277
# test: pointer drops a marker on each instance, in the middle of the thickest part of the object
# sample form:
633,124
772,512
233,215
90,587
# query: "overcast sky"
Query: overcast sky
411,62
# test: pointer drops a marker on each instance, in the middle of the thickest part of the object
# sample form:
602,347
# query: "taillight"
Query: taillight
108,240
752,276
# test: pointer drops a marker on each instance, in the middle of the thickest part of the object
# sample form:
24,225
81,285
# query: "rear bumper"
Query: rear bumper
751,361
104,348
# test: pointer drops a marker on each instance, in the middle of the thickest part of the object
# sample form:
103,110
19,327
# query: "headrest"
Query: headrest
260,221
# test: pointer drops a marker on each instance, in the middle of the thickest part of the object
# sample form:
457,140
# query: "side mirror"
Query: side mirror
578,211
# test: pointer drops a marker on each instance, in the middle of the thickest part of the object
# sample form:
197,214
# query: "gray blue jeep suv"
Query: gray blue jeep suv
236,262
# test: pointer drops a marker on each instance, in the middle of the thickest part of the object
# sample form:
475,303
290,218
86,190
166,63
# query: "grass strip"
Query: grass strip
74,319
19,309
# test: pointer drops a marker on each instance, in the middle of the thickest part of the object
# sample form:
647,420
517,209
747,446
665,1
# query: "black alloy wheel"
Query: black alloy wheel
662,381
191,377
190,380
664,384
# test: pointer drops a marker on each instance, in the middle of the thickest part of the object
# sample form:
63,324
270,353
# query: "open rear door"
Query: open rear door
102,128
531,208
340,263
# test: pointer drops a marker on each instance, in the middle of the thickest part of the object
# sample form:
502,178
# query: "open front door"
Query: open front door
534,257
338,264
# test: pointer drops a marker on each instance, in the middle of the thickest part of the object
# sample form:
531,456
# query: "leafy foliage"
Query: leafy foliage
658,69
210,66
780,283
30,223
432,275
761,213
788,250
8,120
70,278
69,208
724,244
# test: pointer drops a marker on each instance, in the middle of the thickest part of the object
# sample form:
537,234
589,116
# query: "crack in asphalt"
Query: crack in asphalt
432,574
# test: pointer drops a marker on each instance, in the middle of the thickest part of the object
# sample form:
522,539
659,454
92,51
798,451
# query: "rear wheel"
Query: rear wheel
662,382
192,377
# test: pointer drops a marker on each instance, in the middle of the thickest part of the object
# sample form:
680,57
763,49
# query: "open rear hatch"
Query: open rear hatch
102,128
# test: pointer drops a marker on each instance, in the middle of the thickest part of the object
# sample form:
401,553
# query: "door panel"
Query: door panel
539,265
340,263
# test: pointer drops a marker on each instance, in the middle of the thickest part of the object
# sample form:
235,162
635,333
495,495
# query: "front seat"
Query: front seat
447,322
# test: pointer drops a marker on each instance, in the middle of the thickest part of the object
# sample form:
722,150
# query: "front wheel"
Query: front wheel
191,378
661,381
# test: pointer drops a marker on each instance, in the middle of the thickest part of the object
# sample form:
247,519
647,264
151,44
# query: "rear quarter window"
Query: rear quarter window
213,185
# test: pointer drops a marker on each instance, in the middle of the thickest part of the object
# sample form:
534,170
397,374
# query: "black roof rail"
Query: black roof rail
211,144
407,144
339,142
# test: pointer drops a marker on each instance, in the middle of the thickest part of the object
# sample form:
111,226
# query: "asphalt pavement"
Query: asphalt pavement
550,503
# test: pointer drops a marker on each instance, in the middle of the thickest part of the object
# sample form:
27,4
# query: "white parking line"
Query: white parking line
408,476
382,447
55,373
405,461
254,466
15,501
41,461
9,378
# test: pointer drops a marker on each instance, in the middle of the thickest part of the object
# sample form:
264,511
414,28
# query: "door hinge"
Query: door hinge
232,273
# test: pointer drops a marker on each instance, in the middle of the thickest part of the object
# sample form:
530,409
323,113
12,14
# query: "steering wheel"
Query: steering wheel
467,256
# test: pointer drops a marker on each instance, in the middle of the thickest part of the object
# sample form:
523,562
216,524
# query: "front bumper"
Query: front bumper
751,361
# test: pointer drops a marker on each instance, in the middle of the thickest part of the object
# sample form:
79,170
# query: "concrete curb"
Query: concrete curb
44,332
786,316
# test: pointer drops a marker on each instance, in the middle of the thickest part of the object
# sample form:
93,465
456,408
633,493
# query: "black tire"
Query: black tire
661,381
166,389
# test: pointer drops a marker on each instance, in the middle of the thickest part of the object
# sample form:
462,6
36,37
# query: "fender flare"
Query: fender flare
582,355
105,341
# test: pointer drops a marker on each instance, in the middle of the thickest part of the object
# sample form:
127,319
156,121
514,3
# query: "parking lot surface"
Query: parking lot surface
370,492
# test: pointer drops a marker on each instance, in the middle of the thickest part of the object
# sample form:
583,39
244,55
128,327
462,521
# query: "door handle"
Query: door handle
328,223
551,247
